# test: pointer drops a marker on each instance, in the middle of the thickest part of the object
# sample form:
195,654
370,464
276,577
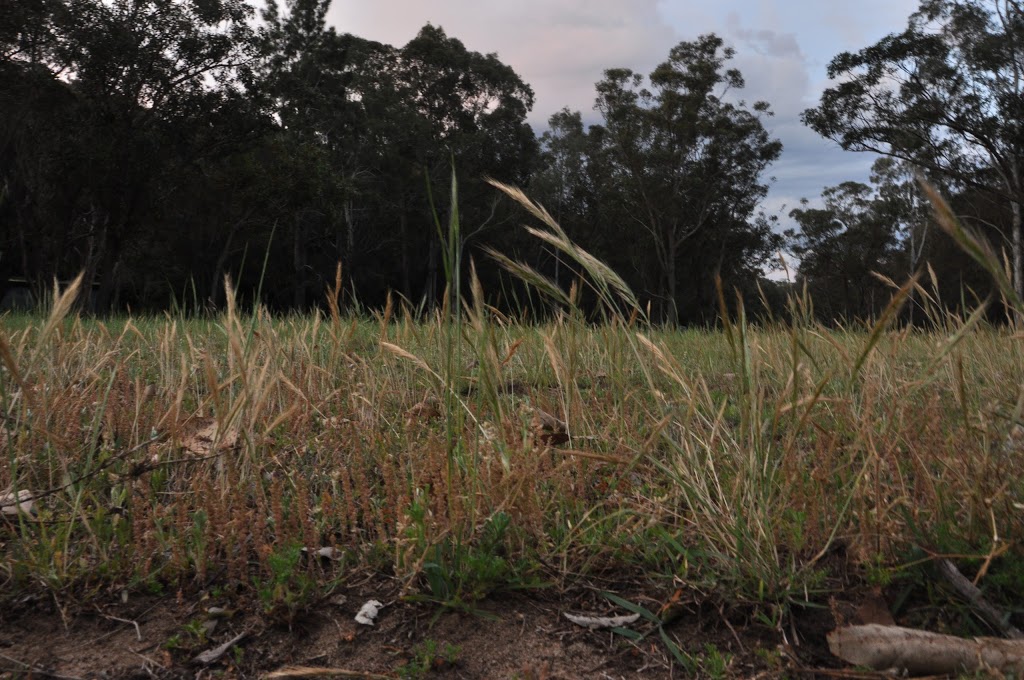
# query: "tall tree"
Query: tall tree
842,244
687,159
151,89
461,104
562,181
379,121
161,143
946,94
307,75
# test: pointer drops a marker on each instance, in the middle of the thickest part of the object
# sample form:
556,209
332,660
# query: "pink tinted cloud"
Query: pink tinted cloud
560,48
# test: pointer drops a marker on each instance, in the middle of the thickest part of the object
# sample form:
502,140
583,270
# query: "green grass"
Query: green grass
172,454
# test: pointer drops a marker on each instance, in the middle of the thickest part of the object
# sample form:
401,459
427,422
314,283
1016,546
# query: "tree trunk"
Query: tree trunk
111,265
115,295
349,231
434,254
30,273
92,257
104,253
1018,251
403,225
299,261
670,284
217,281
1015,236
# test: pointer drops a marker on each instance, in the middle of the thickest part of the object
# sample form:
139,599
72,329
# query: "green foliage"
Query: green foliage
288,588
710,663
429,657
655,624
675,166
192,636
942,95
691,162
458,573
188,136
844,245
126,130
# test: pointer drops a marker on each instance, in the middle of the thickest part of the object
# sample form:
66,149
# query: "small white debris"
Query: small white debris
24,502
368,612
334,422
212,655
490,432
327,553
595,622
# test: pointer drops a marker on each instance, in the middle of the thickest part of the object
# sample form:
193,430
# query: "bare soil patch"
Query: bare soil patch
510,636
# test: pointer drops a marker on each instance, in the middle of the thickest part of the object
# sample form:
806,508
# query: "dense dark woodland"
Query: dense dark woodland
160,145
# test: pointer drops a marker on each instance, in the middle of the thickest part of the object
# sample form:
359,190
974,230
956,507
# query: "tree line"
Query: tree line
161,145
942,101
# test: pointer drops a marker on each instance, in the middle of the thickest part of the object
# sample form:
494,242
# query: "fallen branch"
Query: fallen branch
918,652
10,501
214,655
972,594
604,458
314,672
30,669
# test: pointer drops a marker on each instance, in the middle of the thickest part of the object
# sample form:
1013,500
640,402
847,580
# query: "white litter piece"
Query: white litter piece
368,612
595,622
212,655
327,553
23,503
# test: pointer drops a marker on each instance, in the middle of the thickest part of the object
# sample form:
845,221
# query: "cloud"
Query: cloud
764,41
862,24
560,48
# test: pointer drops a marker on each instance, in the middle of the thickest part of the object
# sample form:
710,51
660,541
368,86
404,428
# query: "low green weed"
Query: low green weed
430,657
288,588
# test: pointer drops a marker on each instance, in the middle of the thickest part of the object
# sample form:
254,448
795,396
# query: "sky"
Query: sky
562,47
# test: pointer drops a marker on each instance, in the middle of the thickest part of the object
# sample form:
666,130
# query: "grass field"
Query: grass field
164,454
271,461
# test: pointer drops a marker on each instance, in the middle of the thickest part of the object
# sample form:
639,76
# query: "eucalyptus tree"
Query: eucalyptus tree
843,244
376,123
686,158
561,181
307,76
448,103
138,92
946,95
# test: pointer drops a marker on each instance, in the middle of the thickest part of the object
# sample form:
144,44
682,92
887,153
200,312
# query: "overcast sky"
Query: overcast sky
562,47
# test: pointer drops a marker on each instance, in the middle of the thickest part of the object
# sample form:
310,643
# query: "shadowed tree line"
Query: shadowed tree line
943,100
160,145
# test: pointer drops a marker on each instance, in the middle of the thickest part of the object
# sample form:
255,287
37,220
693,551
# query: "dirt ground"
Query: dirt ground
523,635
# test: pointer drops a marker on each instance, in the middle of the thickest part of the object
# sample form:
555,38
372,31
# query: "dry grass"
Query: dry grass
168,451
174,453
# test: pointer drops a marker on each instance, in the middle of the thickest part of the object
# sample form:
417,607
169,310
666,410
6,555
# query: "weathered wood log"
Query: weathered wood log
972,594
918,652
